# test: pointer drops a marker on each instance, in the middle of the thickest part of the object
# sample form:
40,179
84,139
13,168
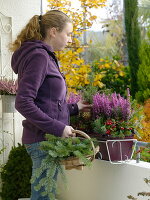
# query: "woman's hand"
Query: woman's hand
83,106
68,132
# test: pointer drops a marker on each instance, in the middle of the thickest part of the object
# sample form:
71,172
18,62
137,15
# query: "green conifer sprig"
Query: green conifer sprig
57,150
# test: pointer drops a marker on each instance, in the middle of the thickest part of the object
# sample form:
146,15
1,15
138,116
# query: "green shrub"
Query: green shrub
115,76
16,174
1,151
133,41
144,71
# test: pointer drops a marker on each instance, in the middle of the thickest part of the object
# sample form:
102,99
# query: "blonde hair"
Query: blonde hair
37,27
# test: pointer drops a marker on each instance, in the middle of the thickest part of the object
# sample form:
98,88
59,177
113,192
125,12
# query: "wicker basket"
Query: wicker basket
74,162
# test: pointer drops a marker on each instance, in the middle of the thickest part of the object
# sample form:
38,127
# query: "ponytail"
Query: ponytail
37,27
30,32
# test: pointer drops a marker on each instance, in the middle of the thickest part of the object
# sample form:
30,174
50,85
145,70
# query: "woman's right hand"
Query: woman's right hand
68,132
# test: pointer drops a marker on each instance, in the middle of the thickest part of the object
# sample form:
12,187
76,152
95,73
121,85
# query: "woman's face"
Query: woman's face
61,39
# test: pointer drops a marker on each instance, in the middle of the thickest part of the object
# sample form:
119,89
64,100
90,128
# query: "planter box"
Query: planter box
8,103
115,150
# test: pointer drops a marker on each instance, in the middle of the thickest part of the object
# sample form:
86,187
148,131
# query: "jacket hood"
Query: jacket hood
26,48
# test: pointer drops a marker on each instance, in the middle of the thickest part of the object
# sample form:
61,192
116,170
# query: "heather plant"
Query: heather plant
73,98
112,127
8,87
114,115
82,121
111,106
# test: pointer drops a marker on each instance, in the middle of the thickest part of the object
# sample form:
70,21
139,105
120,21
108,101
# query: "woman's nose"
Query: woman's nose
70,40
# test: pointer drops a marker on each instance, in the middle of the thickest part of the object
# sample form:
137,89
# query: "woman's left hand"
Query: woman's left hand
83,106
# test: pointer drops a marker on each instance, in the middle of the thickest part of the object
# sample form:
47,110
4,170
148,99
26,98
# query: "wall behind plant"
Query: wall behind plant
17,13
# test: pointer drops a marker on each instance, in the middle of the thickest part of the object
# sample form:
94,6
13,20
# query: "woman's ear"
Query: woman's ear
52,32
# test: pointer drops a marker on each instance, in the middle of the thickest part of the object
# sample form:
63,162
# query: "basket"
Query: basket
74,162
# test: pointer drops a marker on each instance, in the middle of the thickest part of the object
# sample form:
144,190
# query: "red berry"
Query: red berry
108,132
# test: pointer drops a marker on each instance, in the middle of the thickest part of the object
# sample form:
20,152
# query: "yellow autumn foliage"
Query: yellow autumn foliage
97,80
72,63
145,131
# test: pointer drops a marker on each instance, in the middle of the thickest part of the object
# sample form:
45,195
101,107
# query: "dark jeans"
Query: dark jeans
37,156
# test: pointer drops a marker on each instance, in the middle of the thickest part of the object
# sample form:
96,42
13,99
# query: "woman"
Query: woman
41,95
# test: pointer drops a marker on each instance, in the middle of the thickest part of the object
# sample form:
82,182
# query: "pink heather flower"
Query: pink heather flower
111,106
73,98
101,105
8,87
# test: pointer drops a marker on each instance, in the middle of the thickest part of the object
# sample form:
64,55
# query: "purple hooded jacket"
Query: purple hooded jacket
41,95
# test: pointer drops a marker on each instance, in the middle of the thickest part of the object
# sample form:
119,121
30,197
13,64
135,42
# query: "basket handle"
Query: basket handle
87,137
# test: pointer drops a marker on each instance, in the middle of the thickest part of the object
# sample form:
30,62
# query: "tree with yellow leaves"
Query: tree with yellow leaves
73,65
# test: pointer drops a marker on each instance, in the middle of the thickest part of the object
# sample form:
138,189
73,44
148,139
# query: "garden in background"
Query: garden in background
111,61
109,69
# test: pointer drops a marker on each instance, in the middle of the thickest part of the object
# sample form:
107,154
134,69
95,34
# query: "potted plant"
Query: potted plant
113,125
8,89
83,121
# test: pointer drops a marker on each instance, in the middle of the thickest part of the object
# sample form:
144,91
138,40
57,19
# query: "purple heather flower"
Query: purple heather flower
73,98
111,106
8,86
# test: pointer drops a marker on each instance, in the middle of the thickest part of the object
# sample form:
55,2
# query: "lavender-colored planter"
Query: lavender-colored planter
115,149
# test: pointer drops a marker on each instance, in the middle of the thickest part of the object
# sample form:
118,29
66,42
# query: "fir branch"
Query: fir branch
58,149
